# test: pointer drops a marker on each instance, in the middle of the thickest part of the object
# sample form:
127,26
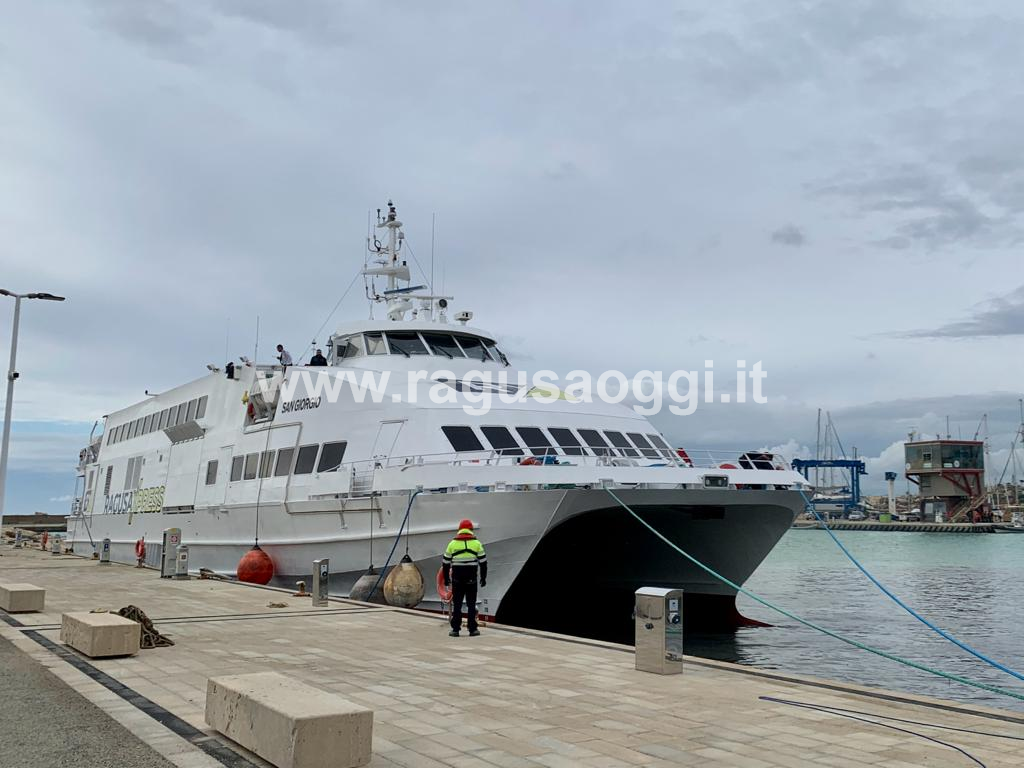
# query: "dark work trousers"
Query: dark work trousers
463,587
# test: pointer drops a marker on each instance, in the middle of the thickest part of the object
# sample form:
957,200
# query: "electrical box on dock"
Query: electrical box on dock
659,630
321,581
169,553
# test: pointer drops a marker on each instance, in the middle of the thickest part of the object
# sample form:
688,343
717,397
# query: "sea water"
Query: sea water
970,585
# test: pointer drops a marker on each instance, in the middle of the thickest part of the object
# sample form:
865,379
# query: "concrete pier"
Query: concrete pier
510,698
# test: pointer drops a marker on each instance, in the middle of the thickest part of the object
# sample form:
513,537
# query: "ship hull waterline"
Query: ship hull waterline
563,560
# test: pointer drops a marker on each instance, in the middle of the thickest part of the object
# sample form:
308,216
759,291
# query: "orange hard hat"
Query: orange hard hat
466,524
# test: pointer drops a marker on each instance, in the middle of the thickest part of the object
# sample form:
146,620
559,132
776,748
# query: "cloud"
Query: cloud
925,207
1001,316
789,235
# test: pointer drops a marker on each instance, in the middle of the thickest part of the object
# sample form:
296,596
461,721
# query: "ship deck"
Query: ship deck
509,698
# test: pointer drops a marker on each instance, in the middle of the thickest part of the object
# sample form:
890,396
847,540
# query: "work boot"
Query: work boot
474,633
453,633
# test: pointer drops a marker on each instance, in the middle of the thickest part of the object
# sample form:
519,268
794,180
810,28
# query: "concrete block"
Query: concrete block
21,598
288,723
100,634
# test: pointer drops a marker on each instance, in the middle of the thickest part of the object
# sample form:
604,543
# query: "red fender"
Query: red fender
445,593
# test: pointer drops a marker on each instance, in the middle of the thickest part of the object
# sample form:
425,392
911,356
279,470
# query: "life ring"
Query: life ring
731,466
445,593
530,461
140,549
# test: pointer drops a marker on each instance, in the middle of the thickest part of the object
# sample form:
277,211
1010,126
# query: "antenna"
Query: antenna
256,349
227,339
433,218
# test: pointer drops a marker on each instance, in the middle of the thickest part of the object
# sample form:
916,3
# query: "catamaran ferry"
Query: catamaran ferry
245,455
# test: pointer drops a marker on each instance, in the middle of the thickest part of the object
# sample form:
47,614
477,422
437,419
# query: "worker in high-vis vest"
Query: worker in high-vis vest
463,563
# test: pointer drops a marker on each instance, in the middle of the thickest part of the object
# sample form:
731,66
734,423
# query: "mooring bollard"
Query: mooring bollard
105,552
300,589
181,563
321,571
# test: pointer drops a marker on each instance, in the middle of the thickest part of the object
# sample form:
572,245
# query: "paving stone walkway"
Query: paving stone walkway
510,698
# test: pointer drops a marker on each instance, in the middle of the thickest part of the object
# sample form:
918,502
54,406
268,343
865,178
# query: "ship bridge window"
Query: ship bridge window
474,347
535,439
593,438
351,346
147,426
236,468
331,456
284,462
462,439
306,459
211,472
406,343
643,444
619,441
163,418
201,407
568,442
496,353
502,441
250,466
666,449
375,343
443,344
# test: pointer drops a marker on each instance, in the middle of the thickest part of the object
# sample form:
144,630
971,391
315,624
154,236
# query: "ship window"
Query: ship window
182,411
107,479
375,343
250,466
211,472
643,444
284,462
201,408
666,450
191,413
406,343
331,456
462,439
502,441
128,472
619,441
496,353
147,426
567,440
351,346
135,429
266,463
172,415
475,348
593,438
236,468
536,441
163,419
306,459
443,344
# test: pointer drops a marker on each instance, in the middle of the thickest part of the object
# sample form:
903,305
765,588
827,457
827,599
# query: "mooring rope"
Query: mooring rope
394,546
938,630
812,625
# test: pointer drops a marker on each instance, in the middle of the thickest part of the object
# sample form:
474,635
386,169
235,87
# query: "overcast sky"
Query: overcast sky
834,189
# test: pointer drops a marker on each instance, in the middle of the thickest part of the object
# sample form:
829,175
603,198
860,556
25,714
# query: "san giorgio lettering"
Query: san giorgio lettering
301,404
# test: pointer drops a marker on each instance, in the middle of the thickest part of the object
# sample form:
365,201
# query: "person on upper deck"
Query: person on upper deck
318,358
284,356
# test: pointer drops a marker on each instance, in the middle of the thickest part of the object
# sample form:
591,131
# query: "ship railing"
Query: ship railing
547,456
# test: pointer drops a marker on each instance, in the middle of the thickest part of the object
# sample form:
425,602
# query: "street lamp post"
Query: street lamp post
12,376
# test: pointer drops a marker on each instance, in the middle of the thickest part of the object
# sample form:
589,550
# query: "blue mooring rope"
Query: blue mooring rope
811,624
903,605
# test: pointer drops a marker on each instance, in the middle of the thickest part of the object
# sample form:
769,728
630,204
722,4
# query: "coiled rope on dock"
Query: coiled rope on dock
888,593
810,624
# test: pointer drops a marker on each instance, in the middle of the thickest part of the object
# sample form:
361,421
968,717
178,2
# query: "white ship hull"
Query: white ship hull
547,549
